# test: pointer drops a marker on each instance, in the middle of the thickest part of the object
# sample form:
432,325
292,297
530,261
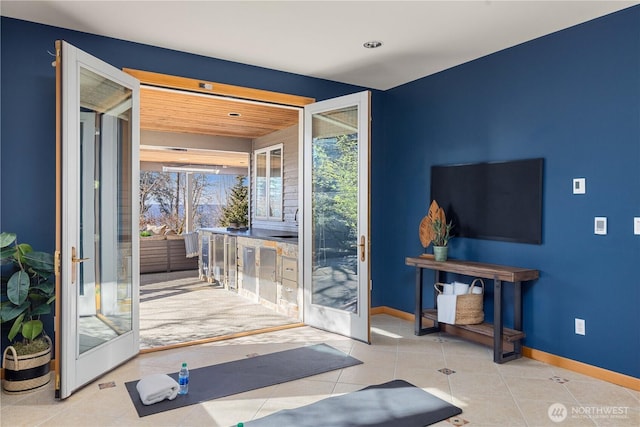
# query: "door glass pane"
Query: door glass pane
104,282
335,209
261,185
275,183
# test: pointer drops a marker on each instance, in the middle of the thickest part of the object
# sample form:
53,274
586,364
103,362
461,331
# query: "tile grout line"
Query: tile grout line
515,401
444,358
595,423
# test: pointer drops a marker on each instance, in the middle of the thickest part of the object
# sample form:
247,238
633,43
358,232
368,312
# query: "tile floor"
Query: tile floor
518,393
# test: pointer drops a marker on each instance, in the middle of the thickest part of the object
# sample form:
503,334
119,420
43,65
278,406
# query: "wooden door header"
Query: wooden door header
202,86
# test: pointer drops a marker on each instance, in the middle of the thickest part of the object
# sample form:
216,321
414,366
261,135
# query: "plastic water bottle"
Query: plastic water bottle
183,379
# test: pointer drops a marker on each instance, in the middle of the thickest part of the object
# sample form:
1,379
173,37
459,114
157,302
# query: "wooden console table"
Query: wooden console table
499,274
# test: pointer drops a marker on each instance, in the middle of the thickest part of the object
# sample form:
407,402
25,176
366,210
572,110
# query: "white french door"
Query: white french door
97,238
336,215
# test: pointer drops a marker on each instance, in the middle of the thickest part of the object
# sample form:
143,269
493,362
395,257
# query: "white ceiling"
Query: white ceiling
323,38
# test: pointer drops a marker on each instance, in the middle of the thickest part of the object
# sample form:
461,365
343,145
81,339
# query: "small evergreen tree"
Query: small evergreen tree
237,207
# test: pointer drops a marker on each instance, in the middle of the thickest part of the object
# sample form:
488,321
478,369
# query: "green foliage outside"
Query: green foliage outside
335,183
236,210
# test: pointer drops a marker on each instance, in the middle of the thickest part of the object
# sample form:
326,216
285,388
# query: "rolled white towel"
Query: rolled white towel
157,387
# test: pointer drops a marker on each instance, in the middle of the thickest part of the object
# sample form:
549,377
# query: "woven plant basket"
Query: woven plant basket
23,374
469,306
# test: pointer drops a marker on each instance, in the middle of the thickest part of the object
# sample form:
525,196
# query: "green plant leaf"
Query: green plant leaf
22,249
10,311
47,287
18,287
31,329
17,325
41,262
36,298
6,239
7,253
43,308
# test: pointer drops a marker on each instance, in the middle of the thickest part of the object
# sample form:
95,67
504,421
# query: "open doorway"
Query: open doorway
197,147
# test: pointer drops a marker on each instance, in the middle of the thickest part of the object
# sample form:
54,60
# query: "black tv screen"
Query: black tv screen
495,201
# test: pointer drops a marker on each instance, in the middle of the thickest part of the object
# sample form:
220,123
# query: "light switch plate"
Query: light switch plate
600,225
636,225
579,186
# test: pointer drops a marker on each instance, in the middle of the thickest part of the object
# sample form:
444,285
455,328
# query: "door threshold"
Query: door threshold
223,337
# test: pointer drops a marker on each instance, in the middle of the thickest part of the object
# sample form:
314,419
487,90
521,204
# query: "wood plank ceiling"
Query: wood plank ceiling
184,112
168,110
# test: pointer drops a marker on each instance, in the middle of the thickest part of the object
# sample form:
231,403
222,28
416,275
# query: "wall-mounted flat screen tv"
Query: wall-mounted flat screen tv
493,200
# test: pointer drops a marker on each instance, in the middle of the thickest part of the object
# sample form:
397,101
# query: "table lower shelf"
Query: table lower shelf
485,329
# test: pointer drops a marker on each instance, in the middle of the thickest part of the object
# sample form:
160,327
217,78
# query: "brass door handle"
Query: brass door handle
362,246
75,260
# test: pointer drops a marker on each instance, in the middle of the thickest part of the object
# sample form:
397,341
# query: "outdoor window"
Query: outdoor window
268,183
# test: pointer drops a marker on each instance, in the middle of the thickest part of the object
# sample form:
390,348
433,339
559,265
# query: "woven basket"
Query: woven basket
23,374
469,306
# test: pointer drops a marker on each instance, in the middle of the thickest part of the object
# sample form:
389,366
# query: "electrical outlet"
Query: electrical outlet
636,225
580,327
600,225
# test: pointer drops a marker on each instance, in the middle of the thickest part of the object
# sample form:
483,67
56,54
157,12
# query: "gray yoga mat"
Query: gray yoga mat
225,379
393,404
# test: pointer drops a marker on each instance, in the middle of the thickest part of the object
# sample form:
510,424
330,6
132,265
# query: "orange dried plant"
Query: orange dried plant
434,227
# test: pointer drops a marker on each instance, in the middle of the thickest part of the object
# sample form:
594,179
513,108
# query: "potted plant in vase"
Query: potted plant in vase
435,230
28,292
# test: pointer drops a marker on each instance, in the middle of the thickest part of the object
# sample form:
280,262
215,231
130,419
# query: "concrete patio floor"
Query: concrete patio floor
178,307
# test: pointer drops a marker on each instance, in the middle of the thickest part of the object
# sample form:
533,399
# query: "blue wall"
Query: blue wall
573,98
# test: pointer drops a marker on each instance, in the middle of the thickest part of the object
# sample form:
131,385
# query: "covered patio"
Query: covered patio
178,308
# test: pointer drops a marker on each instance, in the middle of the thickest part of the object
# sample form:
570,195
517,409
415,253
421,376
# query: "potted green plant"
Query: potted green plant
441,236
435,230
28,292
